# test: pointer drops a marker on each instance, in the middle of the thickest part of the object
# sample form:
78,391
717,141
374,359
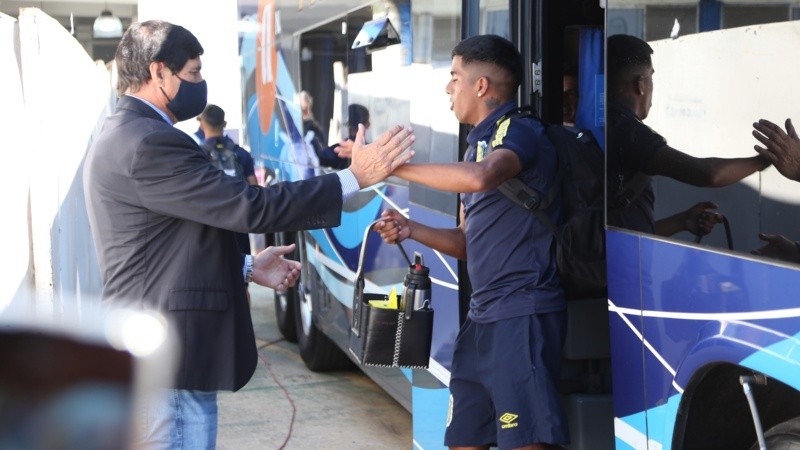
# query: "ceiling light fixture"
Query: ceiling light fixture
107,25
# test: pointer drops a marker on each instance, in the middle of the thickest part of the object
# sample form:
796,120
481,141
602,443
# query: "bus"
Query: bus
704,335
695,345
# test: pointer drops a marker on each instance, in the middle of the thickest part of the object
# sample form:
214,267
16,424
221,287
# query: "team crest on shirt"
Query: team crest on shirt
508,420
481,151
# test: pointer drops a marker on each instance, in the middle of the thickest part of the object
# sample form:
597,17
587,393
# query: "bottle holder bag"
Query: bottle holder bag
386,337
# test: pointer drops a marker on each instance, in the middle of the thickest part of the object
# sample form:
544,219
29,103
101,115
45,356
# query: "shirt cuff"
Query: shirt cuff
349,183
247,268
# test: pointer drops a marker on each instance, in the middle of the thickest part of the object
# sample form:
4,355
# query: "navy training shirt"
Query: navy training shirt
511,255
631,146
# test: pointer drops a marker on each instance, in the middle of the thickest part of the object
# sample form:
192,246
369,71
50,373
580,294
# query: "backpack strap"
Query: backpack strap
631,191
208,146
229,146
229,149
218,145
526,197
519,192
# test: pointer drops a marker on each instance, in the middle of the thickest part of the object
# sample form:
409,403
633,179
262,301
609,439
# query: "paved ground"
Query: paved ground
286,406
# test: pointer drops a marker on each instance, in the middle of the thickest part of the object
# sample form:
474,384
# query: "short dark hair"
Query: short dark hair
495,50
214,116
152,41
625,56
357,114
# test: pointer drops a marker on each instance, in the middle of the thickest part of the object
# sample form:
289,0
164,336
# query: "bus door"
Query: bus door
562,43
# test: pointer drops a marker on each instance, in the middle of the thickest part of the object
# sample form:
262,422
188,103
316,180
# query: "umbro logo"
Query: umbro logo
508,420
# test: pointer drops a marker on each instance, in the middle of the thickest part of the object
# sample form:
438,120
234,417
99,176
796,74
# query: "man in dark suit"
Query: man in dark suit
160,211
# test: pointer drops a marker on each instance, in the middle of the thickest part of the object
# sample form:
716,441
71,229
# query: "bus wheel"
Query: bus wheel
284,300
784,436
318,351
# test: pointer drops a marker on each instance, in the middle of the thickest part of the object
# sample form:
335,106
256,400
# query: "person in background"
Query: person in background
160,212
313,135
227,156
636,152
507,355
337,156
224,153
570,106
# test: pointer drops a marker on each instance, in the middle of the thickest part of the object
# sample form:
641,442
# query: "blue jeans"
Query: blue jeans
178,419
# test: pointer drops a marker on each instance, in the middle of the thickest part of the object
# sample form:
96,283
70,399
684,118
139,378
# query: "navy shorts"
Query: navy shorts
503,383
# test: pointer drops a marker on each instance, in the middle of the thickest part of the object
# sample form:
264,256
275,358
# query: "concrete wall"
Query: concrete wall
54,97
54,101
15,260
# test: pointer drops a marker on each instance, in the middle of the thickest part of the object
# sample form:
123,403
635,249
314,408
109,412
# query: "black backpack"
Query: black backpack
580,237
222,153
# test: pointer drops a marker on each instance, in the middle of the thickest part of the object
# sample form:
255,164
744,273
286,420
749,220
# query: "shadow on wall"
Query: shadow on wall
76,274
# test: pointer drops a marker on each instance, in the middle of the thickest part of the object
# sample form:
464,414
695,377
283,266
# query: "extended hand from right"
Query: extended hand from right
779,247
781,148
393,227
376,161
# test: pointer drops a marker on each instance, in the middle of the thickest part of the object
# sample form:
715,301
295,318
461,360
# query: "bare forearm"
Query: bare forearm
723,172
461,177
671,225
450,241
703,172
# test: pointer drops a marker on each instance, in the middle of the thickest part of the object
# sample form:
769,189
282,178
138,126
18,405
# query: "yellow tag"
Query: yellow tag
382,304
390,303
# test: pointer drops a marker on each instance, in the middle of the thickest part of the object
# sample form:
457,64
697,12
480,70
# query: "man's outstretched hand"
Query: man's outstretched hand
781,148
270,269
374,162
779,247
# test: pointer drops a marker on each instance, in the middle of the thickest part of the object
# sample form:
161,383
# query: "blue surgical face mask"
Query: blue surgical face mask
189,101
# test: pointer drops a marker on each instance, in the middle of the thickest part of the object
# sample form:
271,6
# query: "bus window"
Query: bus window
704,106
436,29
657,17
696,327
494,18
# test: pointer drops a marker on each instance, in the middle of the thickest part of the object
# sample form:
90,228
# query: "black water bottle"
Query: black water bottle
416,287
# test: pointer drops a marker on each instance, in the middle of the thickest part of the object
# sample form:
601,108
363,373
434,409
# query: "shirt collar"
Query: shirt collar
485,126
160,112
621,108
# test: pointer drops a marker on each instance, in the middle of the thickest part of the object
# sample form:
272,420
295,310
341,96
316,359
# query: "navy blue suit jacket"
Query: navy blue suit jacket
160,215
